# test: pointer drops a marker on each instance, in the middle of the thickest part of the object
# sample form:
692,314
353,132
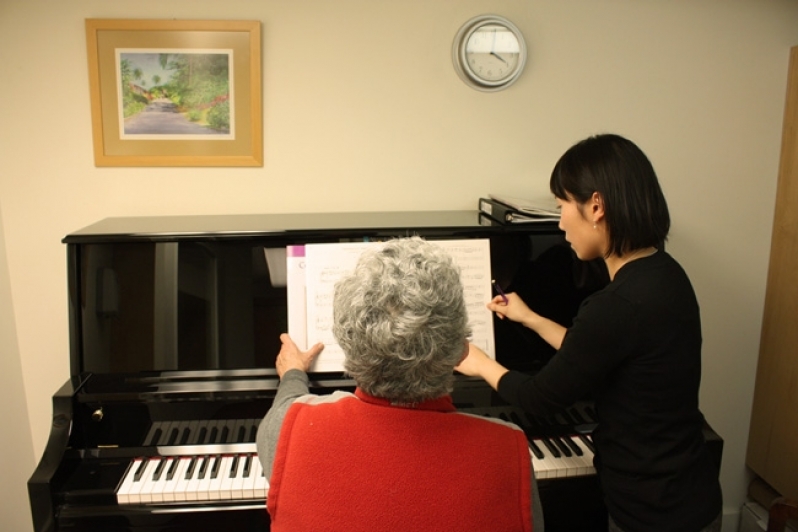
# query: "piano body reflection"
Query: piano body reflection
174,328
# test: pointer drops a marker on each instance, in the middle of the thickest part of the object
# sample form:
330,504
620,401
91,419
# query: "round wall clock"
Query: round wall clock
489,53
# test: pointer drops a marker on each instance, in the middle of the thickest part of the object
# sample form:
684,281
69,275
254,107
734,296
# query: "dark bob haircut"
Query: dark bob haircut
635,209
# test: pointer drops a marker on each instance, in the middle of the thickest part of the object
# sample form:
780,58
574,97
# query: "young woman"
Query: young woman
634,346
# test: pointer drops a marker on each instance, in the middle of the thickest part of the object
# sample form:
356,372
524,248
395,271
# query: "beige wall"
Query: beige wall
18,460
363,110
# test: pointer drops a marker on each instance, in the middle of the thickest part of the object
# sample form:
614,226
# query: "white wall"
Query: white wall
363,110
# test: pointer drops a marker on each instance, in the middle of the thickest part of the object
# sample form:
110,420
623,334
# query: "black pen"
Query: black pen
499,290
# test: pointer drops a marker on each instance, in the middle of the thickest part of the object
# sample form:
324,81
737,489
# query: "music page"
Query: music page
324,264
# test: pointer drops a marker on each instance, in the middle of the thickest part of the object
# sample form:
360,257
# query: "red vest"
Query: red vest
354,462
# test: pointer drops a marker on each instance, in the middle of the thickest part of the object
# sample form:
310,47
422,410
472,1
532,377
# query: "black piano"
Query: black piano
174,325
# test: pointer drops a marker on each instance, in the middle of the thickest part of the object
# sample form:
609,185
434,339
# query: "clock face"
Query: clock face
492,53
489,53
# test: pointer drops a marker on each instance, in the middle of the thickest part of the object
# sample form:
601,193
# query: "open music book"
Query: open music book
313,269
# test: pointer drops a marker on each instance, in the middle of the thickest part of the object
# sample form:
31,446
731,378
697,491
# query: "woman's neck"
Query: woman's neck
616,262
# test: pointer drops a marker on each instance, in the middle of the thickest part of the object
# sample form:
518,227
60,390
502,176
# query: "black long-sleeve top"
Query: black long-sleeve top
635,347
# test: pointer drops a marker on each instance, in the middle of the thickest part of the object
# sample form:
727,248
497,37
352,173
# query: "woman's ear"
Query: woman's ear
597,207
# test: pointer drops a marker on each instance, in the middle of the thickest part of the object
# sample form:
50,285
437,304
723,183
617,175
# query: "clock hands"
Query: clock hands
500,58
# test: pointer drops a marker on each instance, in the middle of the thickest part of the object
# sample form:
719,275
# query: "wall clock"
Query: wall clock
489,53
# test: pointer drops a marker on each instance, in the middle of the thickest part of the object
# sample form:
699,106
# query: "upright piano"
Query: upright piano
174,329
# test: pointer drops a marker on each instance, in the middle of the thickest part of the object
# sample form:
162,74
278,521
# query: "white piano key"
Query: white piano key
261,489
123,492
248,488
158,485
544,467
204,487
134,494
171,484
180,488
192,488
586,467
217,475
145,495
237,487
226,486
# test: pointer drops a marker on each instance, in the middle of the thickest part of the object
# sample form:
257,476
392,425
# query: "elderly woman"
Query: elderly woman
395,454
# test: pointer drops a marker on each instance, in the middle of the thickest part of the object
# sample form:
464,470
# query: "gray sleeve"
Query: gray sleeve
294,384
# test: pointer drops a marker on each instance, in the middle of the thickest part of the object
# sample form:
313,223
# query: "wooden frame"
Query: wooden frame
204,76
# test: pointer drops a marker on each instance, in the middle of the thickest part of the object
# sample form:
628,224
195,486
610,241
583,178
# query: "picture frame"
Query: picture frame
175,92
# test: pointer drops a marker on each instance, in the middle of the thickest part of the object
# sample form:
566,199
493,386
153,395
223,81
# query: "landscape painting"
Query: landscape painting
175,94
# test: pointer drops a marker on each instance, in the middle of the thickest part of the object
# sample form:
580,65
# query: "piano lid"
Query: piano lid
343,224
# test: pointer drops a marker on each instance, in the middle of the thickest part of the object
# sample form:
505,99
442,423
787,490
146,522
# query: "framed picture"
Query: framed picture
175,92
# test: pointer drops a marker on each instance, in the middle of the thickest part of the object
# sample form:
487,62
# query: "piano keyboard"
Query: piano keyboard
199,478
217,460
562,457
560,447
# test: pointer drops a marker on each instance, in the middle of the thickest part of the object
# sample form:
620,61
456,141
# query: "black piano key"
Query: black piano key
591,413
242,432
140,470
247,466
170,474
253,432
225,435
217,463
574,447
172,437
191,466
203,433
536,450
234,467
213,435
203,467
563,448
551,447
159,469
588,442
184,437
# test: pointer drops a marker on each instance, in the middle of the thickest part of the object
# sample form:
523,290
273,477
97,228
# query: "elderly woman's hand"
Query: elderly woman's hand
290,357
478,364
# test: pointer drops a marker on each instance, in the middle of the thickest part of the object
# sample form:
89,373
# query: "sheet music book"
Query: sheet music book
313,271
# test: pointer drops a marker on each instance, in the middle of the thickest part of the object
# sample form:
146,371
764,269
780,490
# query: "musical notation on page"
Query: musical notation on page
313,270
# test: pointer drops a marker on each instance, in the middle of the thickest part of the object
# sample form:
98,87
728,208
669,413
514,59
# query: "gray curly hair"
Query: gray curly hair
401,321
